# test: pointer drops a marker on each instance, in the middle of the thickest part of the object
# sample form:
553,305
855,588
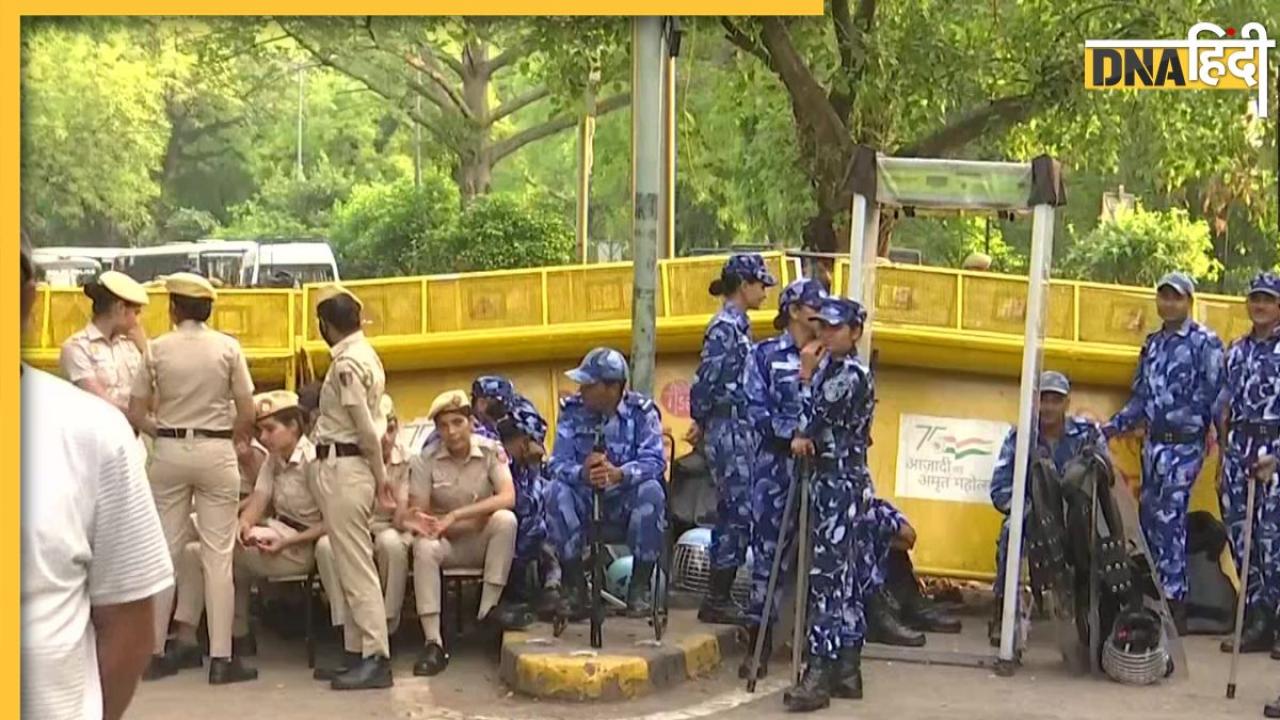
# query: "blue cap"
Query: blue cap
806,291
600,365
525,418
494,387
1266,282
1180,282
749,266
841,311
1055,382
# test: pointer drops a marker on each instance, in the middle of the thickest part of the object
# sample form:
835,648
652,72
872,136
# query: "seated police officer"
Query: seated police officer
608,440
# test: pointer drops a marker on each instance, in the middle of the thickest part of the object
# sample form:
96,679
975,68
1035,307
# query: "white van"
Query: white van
235,263
305,262
67,266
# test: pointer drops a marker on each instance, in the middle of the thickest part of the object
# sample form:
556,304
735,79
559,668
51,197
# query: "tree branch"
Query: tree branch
743,41
422,65
508,145
518,103
807,95
843,25
507,57
997,114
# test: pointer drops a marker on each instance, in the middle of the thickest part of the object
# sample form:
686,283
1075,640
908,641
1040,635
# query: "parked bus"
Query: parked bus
234,263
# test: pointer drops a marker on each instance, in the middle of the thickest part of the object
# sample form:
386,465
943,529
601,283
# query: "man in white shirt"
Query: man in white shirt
93,554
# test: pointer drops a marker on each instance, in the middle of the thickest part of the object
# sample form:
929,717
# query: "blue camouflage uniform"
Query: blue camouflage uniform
843,399
530,482
1252,398
718,404
874,531
1175,392
777,404
1079,434
632,438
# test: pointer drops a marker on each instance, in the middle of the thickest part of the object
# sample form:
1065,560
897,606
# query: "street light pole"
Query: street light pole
646,189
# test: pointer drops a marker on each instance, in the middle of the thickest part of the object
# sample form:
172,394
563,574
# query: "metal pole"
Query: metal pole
667,248
864,229
800,629
646,184
1244,586
1028,400
586,140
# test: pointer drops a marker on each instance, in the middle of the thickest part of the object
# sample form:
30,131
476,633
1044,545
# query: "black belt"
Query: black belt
1258,430
1176,436
300,527
193,432
339,449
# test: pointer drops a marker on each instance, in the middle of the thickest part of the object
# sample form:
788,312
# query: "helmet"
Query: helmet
692,565
1134,653
618,577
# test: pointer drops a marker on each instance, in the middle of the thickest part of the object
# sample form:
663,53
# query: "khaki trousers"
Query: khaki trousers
492,548
347,489
202,471
391,548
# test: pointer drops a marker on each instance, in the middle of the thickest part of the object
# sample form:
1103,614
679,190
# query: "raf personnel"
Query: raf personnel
458,503
196,376
718,406
349,429
837,434
524,434
608,440
1061,437
107,354
1175,394
1252,398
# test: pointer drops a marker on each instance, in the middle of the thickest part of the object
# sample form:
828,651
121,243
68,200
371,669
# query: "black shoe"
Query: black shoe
369,673
573,605
224,671
814,690
1257,636
1178,611
847,683
744,670
638,603
328,672
884,627
1272,709
919,613
511,616
183,656
719,607
159,667
244,646
431,661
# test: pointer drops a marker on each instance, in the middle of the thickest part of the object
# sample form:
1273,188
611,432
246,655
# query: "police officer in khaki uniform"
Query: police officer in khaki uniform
203,399
352,478
104,357
275,544
459,505
391,545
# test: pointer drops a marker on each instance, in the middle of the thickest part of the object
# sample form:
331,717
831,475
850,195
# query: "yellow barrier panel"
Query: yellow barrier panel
592,294
485,301
1116,315
1225,315
916,298
999,304
391,307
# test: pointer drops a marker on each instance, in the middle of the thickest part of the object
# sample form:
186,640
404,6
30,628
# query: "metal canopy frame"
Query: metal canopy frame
961,186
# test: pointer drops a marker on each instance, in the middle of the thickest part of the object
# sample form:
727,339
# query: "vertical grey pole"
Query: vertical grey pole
1028,399
646,186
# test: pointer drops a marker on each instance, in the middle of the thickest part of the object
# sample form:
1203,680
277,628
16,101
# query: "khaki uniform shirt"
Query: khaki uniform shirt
112,362
194,372
448,483
356,377
291,484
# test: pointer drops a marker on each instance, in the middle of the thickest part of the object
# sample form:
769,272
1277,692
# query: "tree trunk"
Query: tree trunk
474,172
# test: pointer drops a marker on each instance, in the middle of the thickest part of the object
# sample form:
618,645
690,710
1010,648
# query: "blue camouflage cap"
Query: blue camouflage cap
749,266
494,387
1266,282
806,291
1054,382
841,311
525,418
600,365
1181,282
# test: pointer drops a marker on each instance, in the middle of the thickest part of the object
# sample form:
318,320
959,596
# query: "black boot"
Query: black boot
224,671
1178,612
718,607
814,690
369,673
993,625
883,625
1258,633
918,611
431,661
328,672
847,684
744,670
573,604
639,604
184,656
548,601
1272,709
159,667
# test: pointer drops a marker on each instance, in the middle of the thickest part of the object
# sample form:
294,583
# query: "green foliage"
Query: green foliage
286,205
1140,246
948,241
186,224
398,229
499,232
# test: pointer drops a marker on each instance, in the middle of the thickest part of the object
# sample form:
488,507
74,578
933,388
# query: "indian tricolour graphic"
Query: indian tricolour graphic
951,459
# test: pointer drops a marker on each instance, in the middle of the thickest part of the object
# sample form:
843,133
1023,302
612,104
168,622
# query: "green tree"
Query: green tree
1139,246
396,229
500,232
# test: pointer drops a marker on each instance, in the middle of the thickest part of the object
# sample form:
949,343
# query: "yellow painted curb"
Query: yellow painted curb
579,678
701,655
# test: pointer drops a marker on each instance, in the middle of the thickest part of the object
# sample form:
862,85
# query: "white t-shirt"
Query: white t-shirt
90,536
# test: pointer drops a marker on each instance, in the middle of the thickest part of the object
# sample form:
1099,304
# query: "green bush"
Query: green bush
397,229
1140,246
500,232
186,224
